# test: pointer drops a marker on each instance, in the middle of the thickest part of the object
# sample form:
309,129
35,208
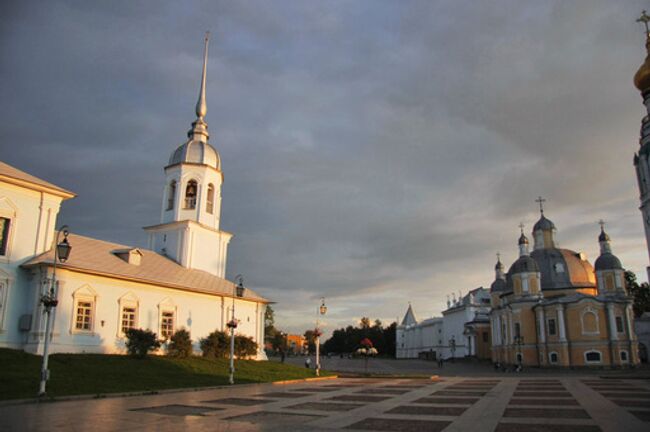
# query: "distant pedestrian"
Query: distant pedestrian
308,362
441,362
282,356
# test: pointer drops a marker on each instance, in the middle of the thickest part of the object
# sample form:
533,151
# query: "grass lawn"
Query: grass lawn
72,374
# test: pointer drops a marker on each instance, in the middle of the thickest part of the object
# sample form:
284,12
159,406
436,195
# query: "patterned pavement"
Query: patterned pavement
503,404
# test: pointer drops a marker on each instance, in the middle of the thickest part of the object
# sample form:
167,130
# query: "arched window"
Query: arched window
210,201
552,357
190,194
171,195
589,322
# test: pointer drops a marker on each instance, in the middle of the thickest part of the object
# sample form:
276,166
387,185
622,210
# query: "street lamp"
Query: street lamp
49,301
322,310
452,347
238,290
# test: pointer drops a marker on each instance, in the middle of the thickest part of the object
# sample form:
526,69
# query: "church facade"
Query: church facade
462,331
103,288
552,308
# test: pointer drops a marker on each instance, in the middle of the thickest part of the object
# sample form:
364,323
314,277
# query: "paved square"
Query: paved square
509,403
178,410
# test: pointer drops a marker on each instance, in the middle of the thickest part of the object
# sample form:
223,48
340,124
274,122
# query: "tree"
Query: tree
347,340
180,344
215,345
139,342
640,292
310,336
244,346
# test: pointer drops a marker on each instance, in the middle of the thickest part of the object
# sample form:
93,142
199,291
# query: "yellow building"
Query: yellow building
552,308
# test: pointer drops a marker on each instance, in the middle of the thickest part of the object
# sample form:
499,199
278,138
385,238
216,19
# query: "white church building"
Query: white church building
462,331
104,288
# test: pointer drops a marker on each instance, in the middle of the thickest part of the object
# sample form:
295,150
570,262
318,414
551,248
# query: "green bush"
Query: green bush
215,345
139,342
180,344
244,346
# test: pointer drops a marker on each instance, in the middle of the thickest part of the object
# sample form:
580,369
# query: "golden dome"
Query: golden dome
642,76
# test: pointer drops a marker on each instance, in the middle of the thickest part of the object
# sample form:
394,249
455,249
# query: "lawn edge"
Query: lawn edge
36,400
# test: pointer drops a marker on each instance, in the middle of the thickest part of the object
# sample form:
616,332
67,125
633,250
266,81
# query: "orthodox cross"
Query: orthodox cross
644,19
602,222
541,201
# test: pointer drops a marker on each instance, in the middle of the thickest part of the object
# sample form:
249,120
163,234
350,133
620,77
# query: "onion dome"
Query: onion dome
563,269
525,264
642,76
498,285
608,261
523,240
544,224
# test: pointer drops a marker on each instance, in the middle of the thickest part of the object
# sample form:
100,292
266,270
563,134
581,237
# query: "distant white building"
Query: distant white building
462,331
104,288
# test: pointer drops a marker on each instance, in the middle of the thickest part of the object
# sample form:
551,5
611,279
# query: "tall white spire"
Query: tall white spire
199,129
201,105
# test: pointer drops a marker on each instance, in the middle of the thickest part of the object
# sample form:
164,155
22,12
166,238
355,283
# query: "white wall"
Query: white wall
199,313
33,217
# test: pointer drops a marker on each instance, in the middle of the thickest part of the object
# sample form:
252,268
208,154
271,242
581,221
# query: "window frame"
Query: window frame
553,327
163,312
5,236
624,353
618,320
550,357
600,357
584,313
84,294
171,195
91,315
209,202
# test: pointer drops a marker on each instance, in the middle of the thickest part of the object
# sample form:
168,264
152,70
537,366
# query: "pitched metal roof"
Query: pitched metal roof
99,257
14,175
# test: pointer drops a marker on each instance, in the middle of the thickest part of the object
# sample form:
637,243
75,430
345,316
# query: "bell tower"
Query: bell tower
189,230
641,161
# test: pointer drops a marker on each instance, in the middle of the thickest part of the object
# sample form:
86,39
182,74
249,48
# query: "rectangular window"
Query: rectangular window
167,325
4,235
128,318
517,330
551,327
84,319
485,337
619,324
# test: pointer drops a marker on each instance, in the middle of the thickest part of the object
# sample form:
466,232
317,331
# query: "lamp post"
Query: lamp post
49,302
238,291
452,347
322,310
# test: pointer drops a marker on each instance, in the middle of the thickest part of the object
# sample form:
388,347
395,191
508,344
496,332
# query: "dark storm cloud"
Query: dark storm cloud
373,152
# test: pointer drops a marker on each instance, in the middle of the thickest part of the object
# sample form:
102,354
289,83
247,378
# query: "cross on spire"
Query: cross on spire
644,18
499,256
541,201
521,227
602,222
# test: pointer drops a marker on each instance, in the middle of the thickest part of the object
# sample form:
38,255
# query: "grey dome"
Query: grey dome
196,152
563,269
608,261
499,265
498,285
525,264
544,224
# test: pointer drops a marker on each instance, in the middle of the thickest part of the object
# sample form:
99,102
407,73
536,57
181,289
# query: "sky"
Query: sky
375,153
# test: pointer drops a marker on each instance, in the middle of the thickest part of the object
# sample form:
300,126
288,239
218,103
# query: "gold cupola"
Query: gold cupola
642,76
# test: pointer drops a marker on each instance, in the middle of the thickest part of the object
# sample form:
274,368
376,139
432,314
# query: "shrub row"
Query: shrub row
140,342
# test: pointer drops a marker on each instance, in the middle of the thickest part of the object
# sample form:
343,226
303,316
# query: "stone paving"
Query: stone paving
509,403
